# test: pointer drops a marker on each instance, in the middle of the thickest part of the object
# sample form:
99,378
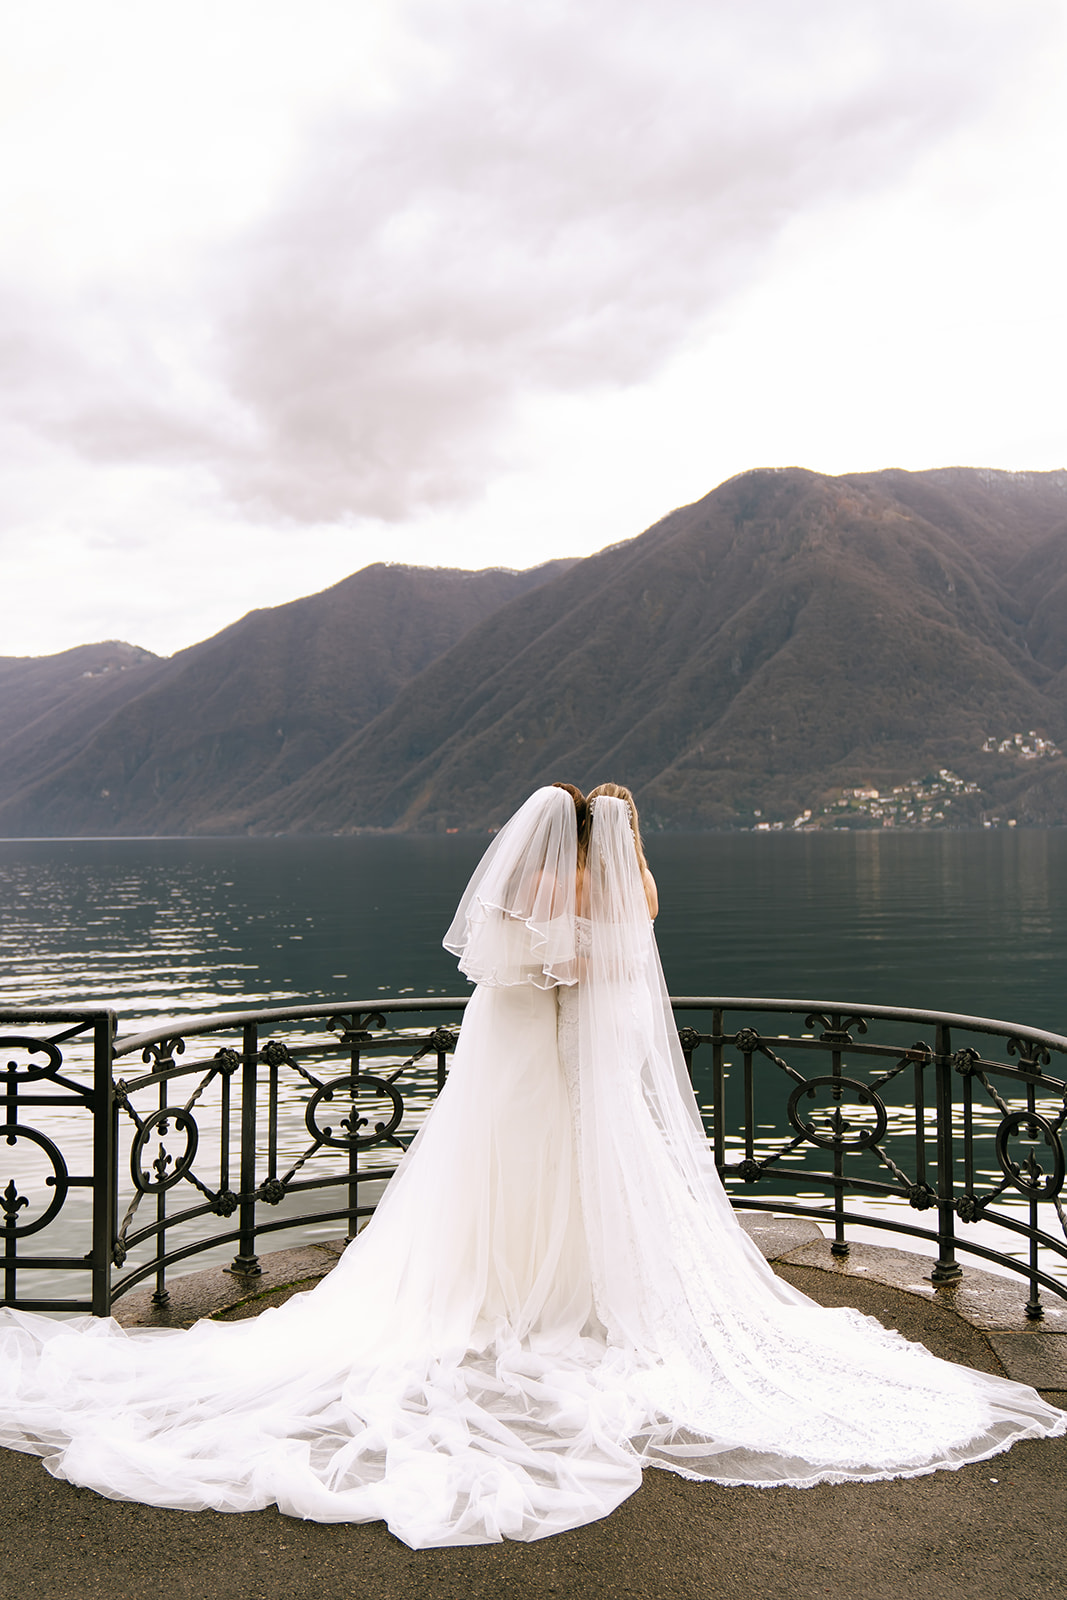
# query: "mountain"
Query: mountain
50,706
788,635
785,641
231,720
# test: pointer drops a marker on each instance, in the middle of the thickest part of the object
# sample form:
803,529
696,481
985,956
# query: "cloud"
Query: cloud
547,199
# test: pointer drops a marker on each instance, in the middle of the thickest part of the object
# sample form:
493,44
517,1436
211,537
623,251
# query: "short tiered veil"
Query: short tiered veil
515,922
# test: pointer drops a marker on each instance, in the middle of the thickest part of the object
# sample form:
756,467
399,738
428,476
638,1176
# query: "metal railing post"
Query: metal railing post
947,1268
1035,1311
840,1246
718,1089
105,1170
246,1261
353,1147
161,1294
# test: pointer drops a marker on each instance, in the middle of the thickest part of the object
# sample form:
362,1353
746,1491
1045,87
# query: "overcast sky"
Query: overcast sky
290,286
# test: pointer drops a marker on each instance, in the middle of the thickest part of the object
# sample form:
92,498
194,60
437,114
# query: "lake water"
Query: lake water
974,923
162,927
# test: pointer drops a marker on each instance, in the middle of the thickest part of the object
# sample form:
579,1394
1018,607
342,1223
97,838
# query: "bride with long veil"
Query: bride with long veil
552,1294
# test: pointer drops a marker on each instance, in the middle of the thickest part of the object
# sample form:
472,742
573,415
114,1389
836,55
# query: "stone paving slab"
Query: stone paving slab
1039,1359
777,1236
995,1303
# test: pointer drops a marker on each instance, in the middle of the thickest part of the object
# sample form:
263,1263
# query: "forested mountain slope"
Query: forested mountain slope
50,706
229,722
788,634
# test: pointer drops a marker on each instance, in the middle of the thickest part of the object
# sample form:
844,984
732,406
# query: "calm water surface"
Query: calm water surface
156,928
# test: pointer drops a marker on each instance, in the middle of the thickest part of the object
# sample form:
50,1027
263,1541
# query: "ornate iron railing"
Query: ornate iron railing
79,1102
213,1134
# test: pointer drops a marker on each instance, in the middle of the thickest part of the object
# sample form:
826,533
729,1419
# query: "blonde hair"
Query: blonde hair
615,791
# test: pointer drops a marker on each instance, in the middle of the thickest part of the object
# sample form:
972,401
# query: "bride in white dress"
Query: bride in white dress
552,1294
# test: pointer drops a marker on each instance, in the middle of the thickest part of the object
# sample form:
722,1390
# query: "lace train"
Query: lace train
742,1378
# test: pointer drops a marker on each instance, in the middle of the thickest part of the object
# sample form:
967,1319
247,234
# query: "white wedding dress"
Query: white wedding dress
552,1294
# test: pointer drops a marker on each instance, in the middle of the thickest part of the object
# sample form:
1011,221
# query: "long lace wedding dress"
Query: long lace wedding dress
552,1294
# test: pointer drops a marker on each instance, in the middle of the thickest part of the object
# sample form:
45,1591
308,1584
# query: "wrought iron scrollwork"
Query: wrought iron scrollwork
355,1027
1028,1176
1031,1055
835,1034
843,1135
970,1208
29,1073
840,1129
13,1203
159,1124
748,1041
161,1052
351,1085
917,1055
275,1053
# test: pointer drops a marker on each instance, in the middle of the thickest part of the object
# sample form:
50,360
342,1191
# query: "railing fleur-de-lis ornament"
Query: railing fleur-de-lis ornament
12,1203
162,1161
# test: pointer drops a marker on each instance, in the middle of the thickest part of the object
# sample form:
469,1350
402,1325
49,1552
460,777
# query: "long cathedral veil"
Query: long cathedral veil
742,1378
647,1175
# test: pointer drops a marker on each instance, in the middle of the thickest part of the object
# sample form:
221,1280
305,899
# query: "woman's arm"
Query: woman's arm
651,893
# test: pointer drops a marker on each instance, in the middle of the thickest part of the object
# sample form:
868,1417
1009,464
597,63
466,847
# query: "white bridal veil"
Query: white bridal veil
553,1292
515,921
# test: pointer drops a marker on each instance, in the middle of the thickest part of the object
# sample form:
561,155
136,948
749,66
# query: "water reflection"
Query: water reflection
968,922
956,922
168,927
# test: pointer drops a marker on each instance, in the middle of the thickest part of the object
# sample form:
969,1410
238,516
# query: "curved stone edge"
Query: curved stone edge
994,1305
218,1289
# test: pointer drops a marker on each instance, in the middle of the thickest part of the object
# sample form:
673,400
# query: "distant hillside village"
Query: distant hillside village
930,802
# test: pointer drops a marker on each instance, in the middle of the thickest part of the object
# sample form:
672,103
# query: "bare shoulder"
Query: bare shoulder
651,893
